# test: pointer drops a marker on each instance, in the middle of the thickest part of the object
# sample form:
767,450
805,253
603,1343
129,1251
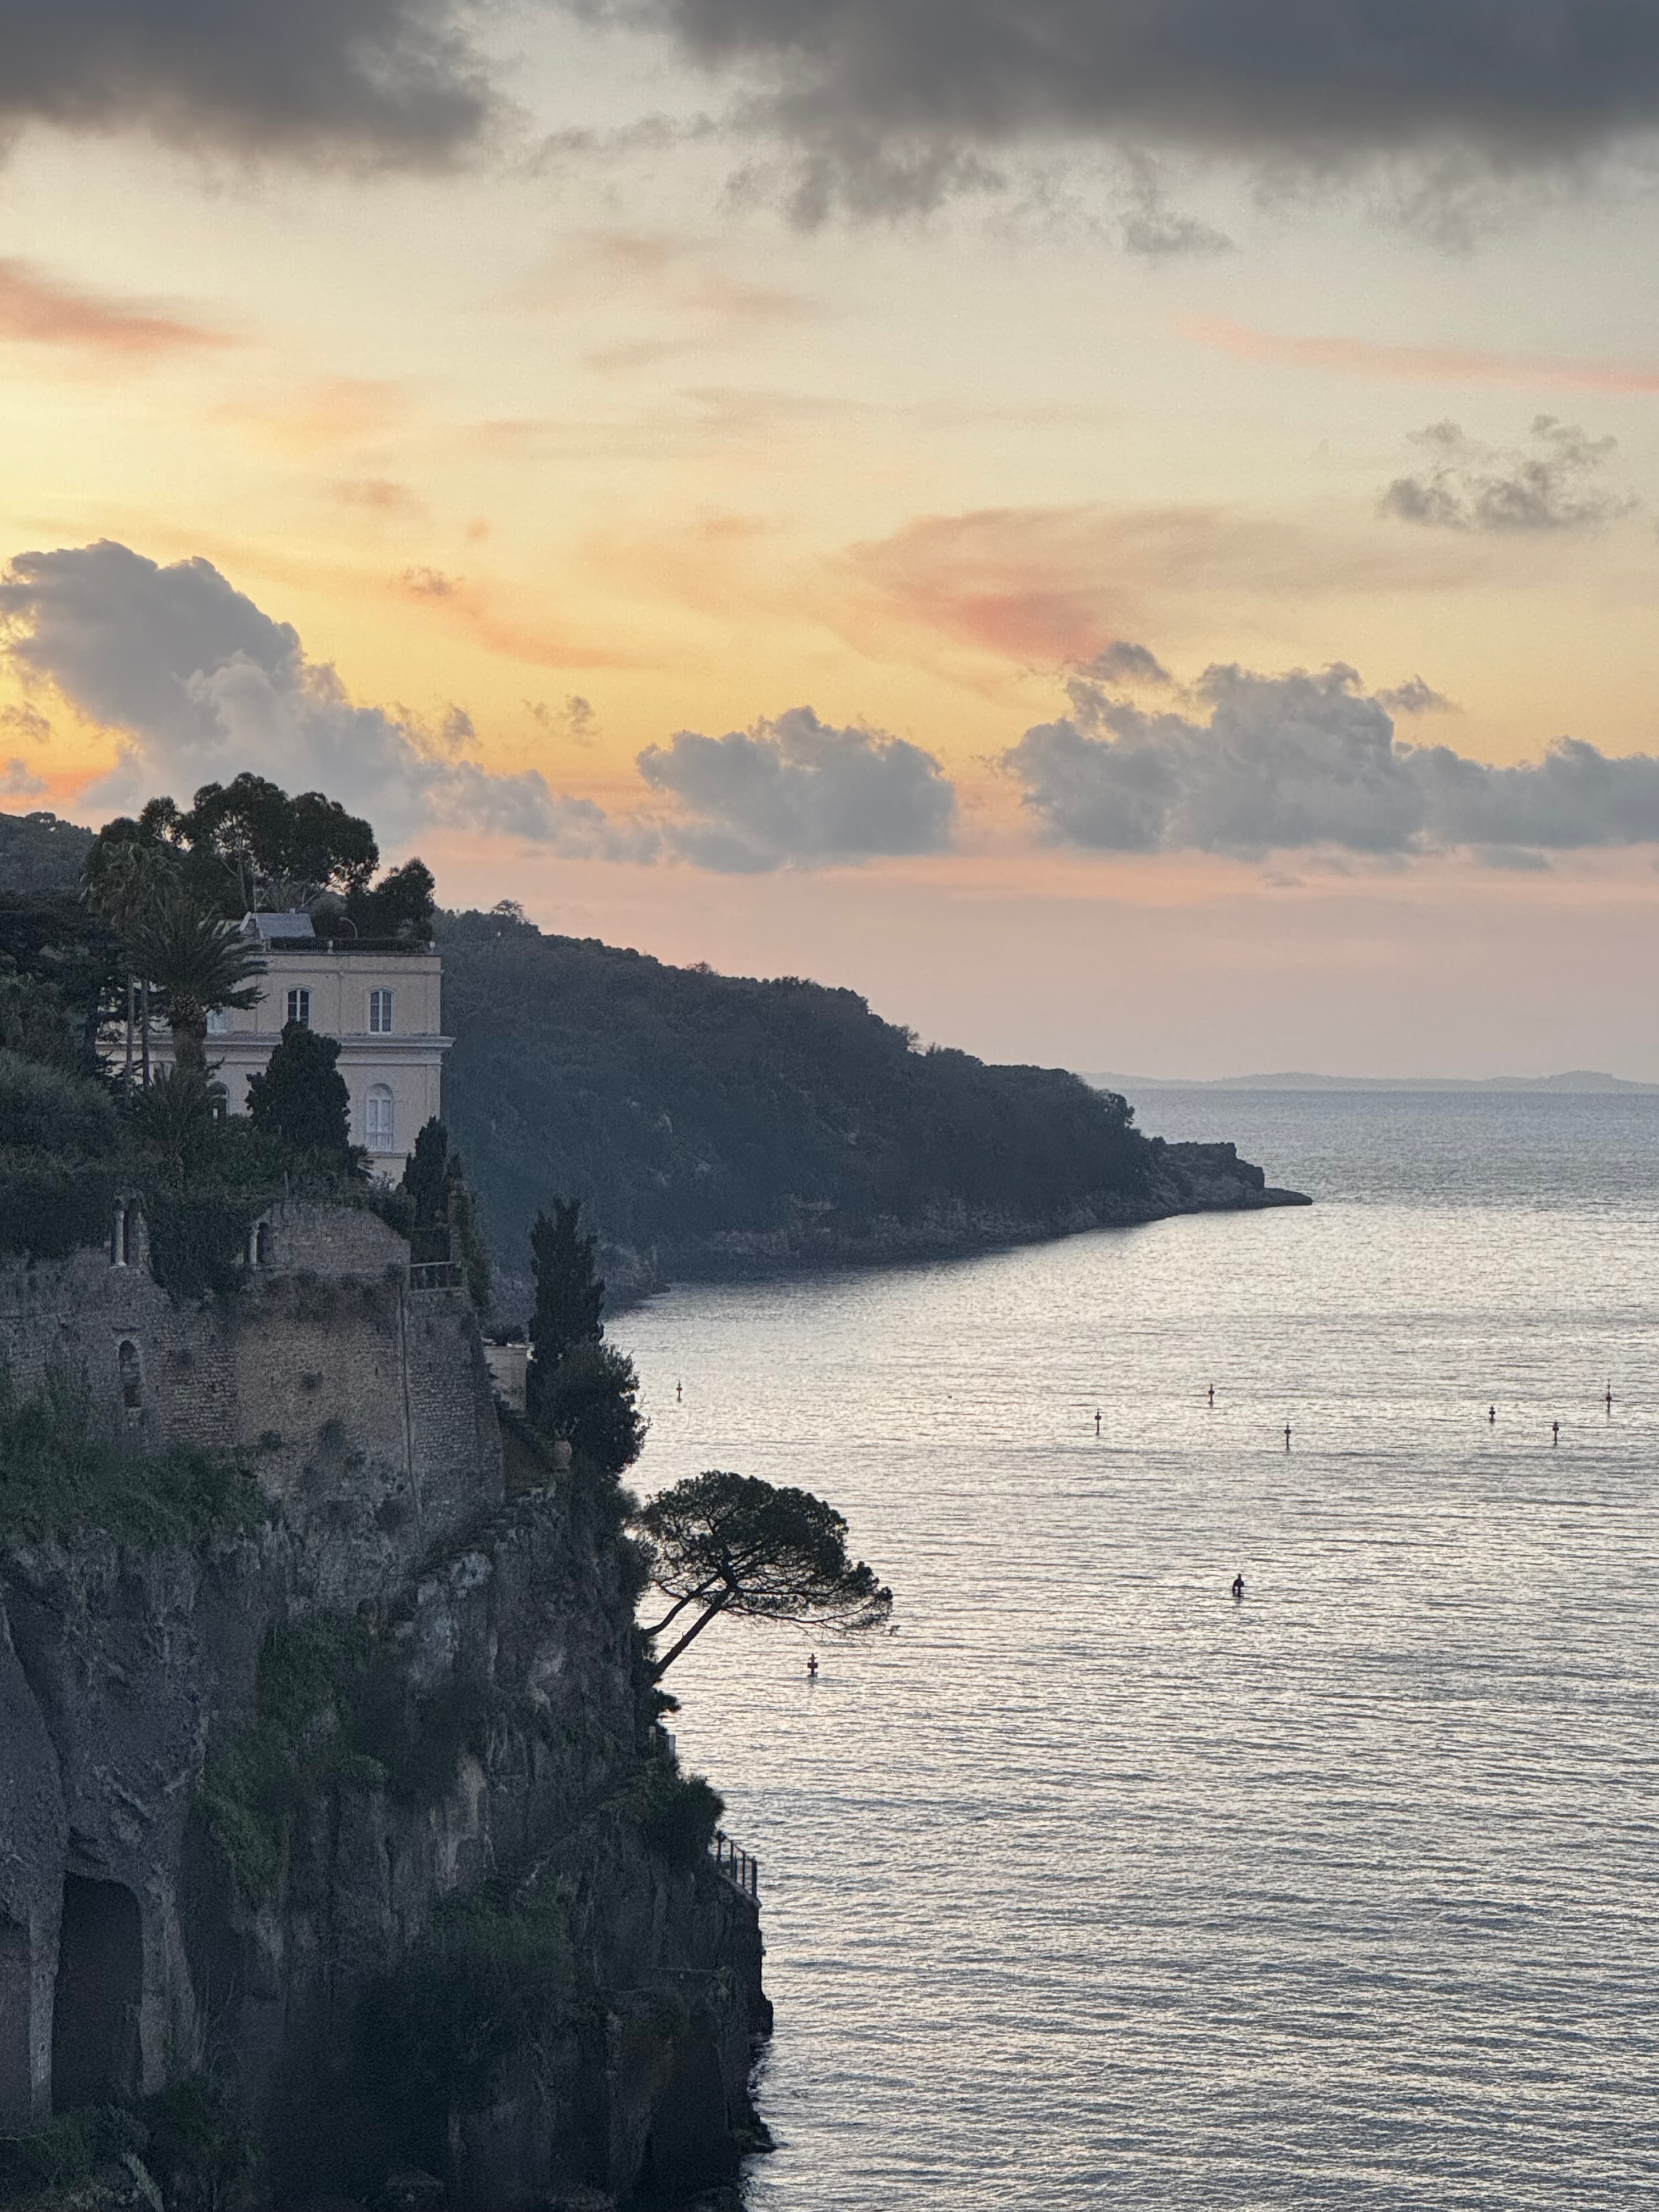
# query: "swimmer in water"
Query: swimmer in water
1238,1586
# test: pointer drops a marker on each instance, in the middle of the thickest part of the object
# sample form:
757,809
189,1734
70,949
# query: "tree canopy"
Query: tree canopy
730,1543
301,1098
247,846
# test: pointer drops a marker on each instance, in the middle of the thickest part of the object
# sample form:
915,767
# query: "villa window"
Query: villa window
218,1022
380,1013
299,1008
132,1377
377,1123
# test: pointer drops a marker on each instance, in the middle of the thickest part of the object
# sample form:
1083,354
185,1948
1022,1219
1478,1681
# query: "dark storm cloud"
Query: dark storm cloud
797,791
368,82
1470,486
885,99
1283,763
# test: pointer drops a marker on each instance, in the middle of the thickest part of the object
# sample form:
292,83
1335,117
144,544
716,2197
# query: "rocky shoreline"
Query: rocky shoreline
1186,1178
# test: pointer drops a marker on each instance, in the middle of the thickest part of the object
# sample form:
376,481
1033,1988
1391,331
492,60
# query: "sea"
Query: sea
1091,1884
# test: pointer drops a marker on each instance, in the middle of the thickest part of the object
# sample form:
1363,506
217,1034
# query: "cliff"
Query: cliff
718,1123
353,1811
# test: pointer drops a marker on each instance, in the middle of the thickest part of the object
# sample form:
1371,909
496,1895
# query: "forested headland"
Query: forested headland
716,1124
710,1125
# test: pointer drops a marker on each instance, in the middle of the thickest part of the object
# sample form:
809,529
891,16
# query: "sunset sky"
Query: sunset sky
1056,515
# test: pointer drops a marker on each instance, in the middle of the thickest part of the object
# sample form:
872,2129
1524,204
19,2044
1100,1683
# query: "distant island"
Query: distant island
1577,1081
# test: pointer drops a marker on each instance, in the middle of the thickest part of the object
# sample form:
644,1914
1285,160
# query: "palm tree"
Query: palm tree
196,964
125,878
177,1117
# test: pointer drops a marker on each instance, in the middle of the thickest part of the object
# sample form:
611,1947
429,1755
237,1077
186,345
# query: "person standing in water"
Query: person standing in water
1238,1586
1096,1421
1491,1415
1555,1432
679,1395
1212,1393
812,1666
1287,1436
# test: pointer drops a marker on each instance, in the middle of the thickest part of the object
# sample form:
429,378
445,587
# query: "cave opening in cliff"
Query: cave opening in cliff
100,1980
17,2011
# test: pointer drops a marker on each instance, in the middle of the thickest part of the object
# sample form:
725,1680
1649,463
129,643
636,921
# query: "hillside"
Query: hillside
716,1124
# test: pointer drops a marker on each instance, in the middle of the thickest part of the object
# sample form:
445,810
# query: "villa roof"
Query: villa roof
269,926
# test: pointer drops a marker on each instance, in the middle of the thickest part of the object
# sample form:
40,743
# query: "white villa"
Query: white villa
381,998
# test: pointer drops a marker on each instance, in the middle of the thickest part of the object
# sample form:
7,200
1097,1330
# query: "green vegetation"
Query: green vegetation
493,1974
195,2143
59,1477
40,853
730,1543
581,1390
331,1707
684,1108
678,1815
301,1100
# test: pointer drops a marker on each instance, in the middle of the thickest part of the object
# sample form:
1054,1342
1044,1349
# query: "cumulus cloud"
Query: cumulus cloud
202,683
799,791
372,82
1471,486
1272,763
1414,696
896,102
1127,664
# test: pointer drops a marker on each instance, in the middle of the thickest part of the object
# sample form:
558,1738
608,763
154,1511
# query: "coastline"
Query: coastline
1187,1178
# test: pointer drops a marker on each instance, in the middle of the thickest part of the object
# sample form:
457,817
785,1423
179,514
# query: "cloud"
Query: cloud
36,309
1470,486
893,104
380,493
797,791
1055,585
1419,364
1414,696
575,720
27,722
1124,663
18,780
201,683
1309,761
370,83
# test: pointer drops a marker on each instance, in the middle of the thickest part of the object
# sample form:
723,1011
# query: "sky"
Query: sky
1128,536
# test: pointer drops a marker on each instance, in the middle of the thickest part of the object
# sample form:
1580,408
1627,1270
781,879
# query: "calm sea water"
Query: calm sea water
1089,1886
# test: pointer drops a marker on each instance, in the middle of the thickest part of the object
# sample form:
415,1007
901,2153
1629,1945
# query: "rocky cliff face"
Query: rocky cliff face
260,1798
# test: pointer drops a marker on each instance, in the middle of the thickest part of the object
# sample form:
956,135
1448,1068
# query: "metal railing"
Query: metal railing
735,1864
434,1275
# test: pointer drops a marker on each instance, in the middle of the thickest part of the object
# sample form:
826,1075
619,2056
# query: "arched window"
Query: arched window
120,1242
131,1374
262,1245
377,1121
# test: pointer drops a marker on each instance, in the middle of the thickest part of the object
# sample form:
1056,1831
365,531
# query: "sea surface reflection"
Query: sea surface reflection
1089,1884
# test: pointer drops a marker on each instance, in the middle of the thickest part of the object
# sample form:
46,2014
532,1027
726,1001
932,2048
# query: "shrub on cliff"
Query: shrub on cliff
493,1975
60,1478
678,1815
